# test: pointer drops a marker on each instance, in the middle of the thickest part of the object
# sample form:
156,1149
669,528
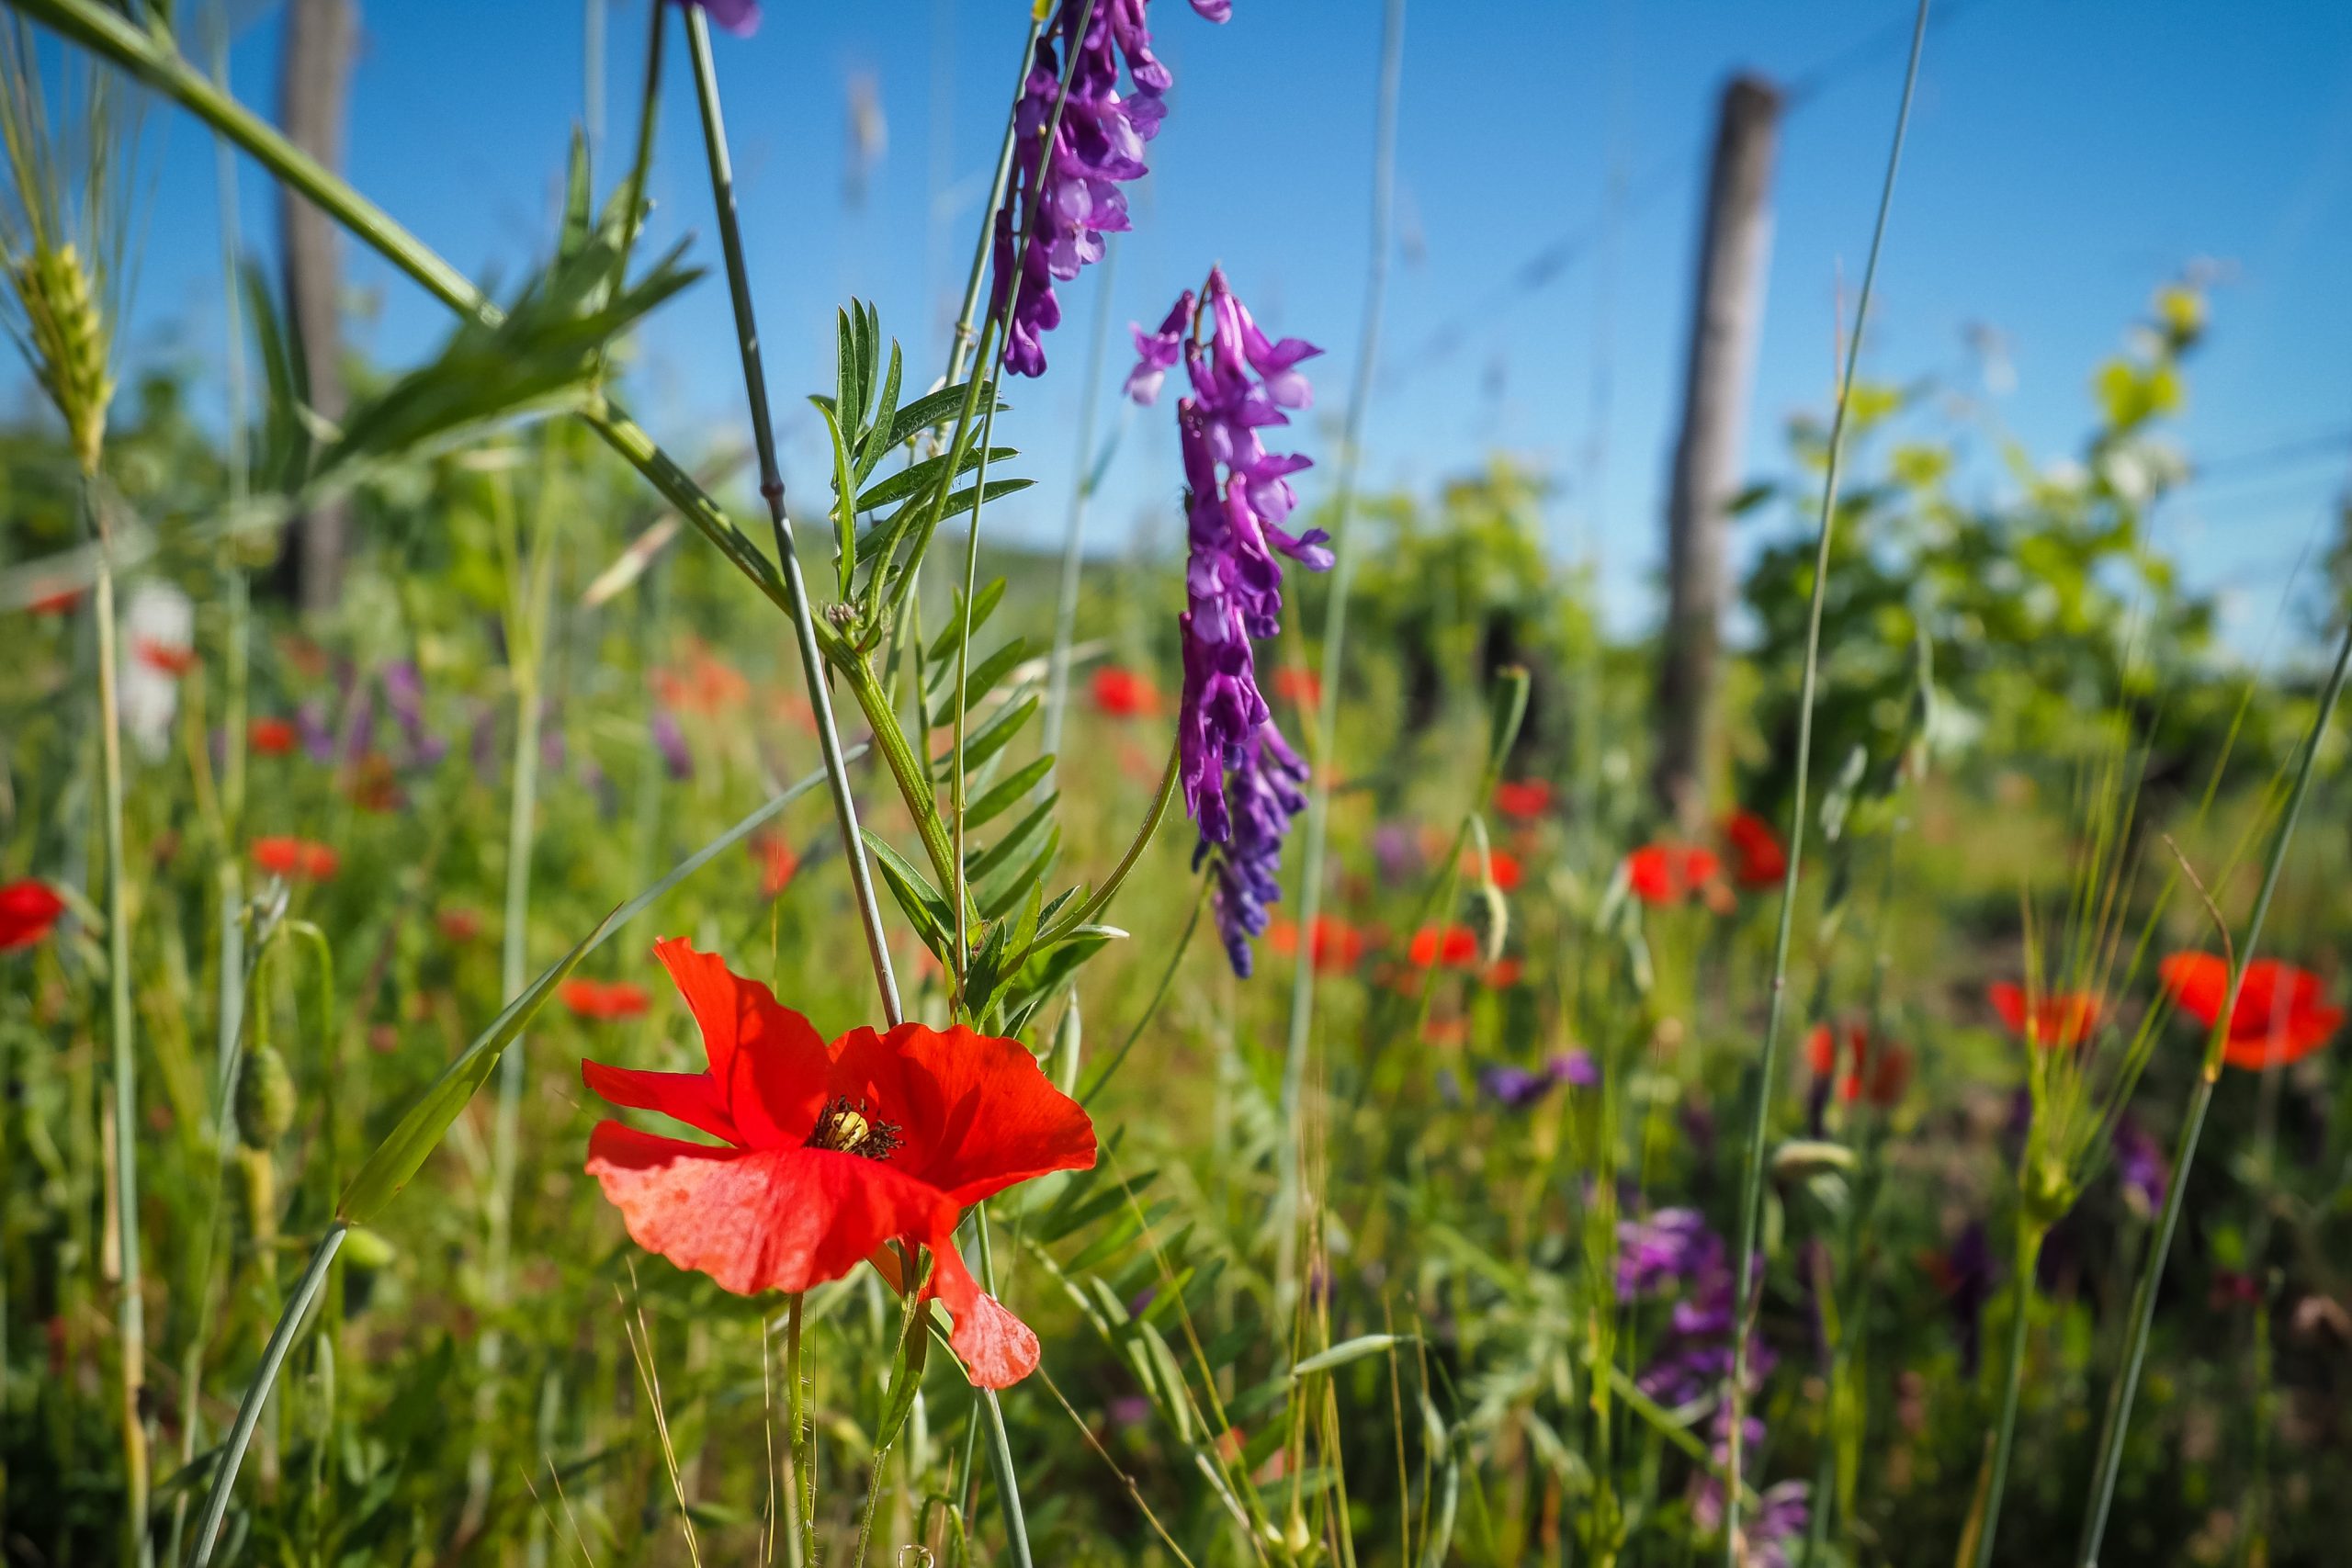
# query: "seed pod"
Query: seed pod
265,1098
257,1193
69,344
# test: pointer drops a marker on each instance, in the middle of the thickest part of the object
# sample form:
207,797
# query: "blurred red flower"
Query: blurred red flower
777,862
1668,873
2278,1018
1298,686
28,909
168,657
272,737
1523,798
1338,946
603,1001
2056,1019
458,923
1758,858
1878,1072
1124,694
303,859
1455,946
1502,863
706,684
56,602
828,1153
1505,973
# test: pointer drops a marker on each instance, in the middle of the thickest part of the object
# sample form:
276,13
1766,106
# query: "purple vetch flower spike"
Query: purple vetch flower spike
1157,352
1064,197
1575,1068
1512,1086
1214,10
405,693
1242,783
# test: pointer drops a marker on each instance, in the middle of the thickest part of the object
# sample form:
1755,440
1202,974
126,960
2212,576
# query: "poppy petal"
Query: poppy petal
691,1098
979,1116
2200,984
772,1219
766,1061
2009,1001
997,1348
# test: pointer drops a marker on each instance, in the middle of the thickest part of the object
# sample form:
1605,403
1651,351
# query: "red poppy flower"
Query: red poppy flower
1338,946
56,602
1298,686
1666,873
1879,1072
460,924
777,862
1124,694
828,1153
1504,973
2055,1019
1501,863
1523,798
169,657
2278,1018
28,910
272,737
1756,857
296,858
602,1001
1455,946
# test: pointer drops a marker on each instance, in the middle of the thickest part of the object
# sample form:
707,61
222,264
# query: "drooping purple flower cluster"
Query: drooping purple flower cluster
1062,199
1676,1249
1241,780
2140,1165
740,18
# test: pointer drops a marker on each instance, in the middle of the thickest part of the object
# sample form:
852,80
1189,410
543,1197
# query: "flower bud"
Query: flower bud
265,1098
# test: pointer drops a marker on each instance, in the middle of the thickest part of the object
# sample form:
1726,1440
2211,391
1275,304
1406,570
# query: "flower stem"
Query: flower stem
1335,634
813,662
960,351
1751,1202
2029,1256
1082,489
130,1312
2109,1462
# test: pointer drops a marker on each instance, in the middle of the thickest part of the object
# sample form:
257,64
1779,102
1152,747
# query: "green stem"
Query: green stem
130,1312
1334,632
1074,527
273,1356
960,351
1752,1205
812,660
2029,1256
2109,1462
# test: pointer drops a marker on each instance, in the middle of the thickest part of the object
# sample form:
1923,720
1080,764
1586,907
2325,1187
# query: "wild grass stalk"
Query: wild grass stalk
1322,745
2107,1464
812,660
1751,1202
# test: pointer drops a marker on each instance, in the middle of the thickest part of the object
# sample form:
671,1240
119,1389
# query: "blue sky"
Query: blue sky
2065,156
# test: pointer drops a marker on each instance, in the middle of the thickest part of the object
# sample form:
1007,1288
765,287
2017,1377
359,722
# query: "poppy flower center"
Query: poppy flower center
846,1126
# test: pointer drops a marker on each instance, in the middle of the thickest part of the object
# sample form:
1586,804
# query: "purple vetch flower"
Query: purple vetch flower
404,694
315,722
1766,1531
2141,1166
1575,1068
1064,197
670,739
1241,780
1676,1247
1157,352
1513,1087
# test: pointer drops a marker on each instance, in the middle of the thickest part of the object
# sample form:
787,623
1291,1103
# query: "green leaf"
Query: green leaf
998,901
997,732
577,201
1007,793
932,409
977,682
923,904
1348,1350
871,444
1004,848
906,1378
964,500
917,478
984,604
845,486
